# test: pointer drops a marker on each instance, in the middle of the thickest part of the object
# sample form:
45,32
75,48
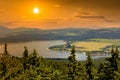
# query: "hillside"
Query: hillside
29,34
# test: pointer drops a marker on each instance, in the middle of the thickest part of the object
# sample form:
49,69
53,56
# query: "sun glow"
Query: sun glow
36,10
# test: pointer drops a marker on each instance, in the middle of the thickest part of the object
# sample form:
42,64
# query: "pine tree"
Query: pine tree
80,71
72,64
89,67
5,49
5,61
115,60
25,56
110,68
33,66
33,59
6,53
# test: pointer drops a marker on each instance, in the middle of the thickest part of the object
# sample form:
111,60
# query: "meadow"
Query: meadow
90,46
94,44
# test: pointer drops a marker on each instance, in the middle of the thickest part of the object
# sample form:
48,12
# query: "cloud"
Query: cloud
91,15
95,17
43,23
6,23
33,21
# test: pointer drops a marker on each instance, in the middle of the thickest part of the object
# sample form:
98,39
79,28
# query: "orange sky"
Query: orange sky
60,13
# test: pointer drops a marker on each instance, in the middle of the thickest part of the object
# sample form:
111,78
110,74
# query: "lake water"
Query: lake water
17,49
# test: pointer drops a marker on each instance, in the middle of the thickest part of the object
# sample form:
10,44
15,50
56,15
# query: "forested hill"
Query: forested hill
28,34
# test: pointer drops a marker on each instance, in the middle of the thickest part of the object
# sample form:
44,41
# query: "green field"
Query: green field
95,44
90,46
112,41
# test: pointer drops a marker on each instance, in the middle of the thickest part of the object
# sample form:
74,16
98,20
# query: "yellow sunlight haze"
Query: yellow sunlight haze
36,10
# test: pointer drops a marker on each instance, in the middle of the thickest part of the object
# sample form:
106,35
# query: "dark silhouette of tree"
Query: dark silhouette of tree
33,59
89,67
115,59
72,64
25,56
100,68
5,58
5,49
110,68
33,62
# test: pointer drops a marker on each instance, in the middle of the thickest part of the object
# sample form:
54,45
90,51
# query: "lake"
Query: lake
17,49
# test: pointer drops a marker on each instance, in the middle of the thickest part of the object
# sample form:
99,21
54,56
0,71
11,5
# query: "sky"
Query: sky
55,14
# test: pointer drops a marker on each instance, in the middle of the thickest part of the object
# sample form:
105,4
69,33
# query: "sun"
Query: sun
36,10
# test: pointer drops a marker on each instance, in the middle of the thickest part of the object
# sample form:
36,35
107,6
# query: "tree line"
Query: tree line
31,66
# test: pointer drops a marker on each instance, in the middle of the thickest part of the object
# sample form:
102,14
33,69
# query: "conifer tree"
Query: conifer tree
5,49
33,59
5,61
80,71
89,67
72,64
110,69
33,66
115,60
25,56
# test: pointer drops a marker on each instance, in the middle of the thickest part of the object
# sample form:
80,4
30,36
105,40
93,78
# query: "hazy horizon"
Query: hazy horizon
60,28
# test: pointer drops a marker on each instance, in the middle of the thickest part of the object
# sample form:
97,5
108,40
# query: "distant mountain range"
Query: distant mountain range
28,34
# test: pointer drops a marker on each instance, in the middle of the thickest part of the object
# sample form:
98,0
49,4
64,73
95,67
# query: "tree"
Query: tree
25,56
80,71
110,68
114,60
4,61
33,59
72,64
33,62
89,67
5,49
